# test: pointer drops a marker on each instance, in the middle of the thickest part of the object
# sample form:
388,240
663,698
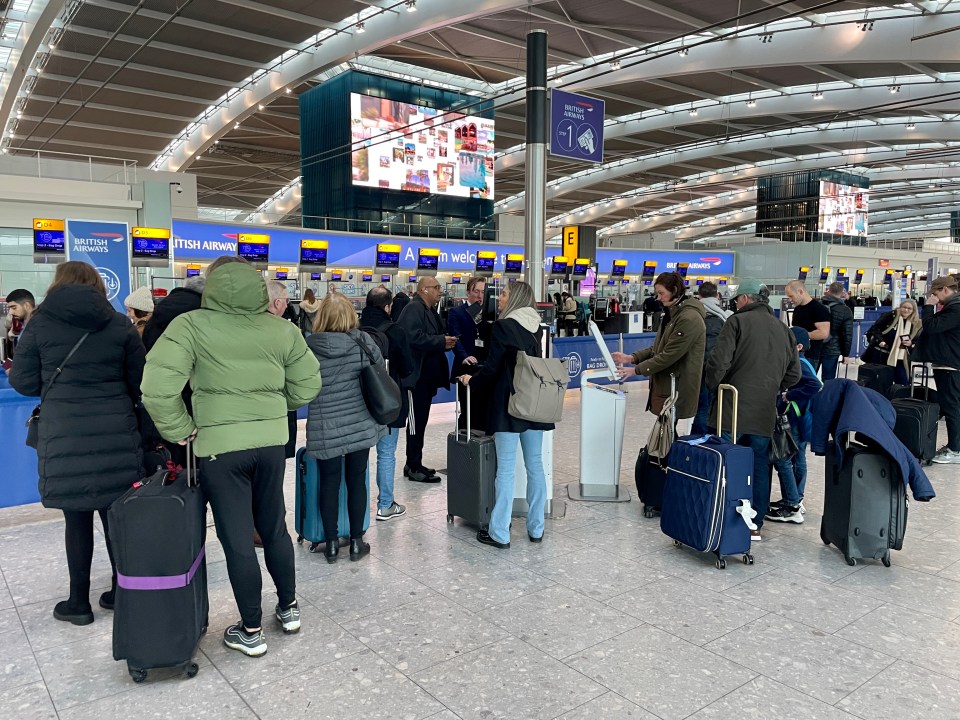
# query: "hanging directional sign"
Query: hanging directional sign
576,126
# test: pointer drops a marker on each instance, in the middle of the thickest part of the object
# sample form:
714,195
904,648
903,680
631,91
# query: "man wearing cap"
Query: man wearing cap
757,354
939,344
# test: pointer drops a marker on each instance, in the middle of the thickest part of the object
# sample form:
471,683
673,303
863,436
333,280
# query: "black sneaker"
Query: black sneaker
289,618
422,476
253,644
786,514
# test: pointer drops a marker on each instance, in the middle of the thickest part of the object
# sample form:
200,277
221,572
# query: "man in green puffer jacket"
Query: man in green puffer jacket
246,368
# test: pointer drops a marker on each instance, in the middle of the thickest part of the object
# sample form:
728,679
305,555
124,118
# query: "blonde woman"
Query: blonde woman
891,339
340,429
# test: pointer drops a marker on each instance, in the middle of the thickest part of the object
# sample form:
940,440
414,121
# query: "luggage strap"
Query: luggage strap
161,582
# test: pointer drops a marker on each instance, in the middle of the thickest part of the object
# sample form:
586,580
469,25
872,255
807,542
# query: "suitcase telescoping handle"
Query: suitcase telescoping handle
735,397
456,418
193,477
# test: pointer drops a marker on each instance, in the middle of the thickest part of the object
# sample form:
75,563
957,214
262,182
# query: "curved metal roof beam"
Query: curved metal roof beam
756,142
384,24
36,23
773,167
834,45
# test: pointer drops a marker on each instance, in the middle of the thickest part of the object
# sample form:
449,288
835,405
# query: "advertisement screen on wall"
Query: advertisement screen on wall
843,209
401,146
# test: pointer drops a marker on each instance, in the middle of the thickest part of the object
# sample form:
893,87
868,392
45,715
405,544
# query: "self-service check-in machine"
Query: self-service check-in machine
603,413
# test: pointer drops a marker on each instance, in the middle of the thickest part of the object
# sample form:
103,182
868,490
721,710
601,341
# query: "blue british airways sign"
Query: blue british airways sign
576,126
203,241
105,246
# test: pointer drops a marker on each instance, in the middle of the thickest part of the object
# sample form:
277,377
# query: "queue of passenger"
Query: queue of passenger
218,366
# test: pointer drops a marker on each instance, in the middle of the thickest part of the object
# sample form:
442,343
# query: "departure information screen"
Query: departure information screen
313,253
49,242
388,256
154,248
254,248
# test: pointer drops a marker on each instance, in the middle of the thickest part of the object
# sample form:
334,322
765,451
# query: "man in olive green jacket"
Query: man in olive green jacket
246,368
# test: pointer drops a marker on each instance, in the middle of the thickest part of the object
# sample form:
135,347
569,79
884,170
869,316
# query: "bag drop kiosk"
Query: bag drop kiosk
603,412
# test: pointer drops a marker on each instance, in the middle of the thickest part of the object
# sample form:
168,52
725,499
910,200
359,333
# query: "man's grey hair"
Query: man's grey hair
196,283
275,289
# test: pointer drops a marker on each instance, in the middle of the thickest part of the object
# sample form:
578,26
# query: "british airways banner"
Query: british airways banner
105,246
203,241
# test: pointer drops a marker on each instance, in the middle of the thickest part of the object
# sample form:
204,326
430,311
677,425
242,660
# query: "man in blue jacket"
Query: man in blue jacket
792,471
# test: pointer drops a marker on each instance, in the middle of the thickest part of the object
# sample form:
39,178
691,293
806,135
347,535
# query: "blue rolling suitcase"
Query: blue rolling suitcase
308,523
708,485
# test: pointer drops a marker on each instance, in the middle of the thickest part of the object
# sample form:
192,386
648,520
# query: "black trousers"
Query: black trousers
422,399
78,537
245,490
354,468
948,393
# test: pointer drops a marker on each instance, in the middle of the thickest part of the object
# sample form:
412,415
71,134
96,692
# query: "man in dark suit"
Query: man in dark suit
463,322
429,344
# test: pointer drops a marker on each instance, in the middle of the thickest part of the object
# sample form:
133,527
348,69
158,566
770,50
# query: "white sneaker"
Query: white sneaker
947,457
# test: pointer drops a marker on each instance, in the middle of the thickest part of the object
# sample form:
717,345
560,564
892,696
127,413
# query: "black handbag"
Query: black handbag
33,422
380,392
782,444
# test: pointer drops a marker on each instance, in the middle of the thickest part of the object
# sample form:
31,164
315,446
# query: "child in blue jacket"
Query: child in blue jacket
793,471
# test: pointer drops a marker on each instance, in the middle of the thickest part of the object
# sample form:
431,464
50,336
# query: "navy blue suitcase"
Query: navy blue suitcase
708,479
307,520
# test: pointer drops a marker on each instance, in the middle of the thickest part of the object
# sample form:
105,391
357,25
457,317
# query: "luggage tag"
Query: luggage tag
745,508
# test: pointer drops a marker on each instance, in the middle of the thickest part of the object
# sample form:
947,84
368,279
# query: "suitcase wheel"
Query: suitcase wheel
449,518
138,675
886,559
748,559
850,561
191,669
299,539
649,511
677,543
721,564
314,547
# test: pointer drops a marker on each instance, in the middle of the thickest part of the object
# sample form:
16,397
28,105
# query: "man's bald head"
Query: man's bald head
428,288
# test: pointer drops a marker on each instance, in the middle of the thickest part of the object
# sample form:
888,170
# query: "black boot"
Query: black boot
358,548
74,612
107,598
332,551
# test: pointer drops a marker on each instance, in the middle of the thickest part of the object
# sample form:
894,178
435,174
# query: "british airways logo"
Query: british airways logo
715,261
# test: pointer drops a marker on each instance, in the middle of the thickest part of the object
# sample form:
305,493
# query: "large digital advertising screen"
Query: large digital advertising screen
843,209
401,146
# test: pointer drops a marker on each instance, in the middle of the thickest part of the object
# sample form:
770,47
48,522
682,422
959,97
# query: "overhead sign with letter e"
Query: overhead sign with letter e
576,126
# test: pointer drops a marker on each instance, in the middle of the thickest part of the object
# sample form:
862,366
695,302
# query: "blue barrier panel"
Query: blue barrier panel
582,352
19,485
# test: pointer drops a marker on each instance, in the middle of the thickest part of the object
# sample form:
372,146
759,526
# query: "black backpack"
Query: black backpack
380,338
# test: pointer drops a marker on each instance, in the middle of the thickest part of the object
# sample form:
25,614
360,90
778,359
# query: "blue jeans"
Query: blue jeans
793,473
701,421
386,467
828,367
762,471
531,441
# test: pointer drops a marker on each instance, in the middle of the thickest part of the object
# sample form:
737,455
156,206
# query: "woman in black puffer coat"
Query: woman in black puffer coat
89,448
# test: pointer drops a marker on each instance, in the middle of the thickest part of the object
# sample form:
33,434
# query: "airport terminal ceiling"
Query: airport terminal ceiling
701,98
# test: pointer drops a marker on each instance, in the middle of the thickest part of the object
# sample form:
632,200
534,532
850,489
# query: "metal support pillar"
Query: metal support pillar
534,241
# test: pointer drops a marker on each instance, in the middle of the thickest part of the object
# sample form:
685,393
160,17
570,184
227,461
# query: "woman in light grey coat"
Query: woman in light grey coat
340,429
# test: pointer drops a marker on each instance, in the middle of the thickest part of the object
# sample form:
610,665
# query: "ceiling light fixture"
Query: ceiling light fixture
911,126
766,38
818,95
894,89
693,112
683,52
411,5
751,103
289,91
236,125
360,28
614,64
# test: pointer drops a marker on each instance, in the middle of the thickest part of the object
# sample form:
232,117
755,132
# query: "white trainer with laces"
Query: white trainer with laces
947,457
289,618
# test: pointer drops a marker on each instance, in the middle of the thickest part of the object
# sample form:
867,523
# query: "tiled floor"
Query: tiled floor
604,619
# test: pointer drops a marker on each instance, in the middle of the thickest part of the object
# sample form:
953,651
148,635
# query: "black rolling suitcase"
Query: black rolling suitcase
876,377
864,506
471,473
157,530
917,418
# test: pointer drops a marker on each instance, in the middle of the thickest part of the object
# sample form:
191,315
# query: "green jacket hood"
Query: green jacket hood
235,288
